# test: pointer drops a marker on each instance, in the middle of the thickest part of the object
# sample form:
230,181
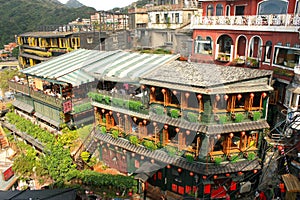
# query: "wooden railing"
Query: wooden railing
18,87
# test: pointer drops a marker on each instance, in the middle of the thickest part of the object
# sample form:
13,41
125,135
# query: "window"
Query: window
272,7
167,20
176,17
286,56
219,10
239,10
227,10
287,99
268,51
157,18
203,46
210,10
297,8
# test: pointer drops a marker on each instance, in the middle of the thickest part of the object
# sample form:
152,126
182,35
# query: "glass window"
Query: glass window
272,7
210,10
157,18
268,51
286,56
203,46
297,8
227,10
219,10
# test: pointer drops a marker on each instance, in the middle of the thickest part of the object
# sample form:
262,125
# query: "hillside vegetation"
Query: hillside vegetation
20,16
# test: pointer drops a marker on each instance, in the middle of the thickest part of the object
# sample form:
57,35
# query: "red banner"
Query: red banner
67,106
8,173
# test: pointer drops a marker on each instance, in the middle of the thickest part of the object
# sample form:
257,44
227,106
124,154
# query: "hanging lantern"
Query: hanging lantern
166,126
174,92
255,171
110,112
191,174
95,108
152,161
125,116
152,89
240,173
187,95
204,177
133,154
264,95
218,136
218,97
215,176
101,142
239,96
108,145
251,95
145,121
118,114
231,135
179,170
163,90
116,148
124,151
177,130
123,157
226,97
280,148
199,96
243,133
187,132
134,119
103,110
143,87
142,157
168,166
227,175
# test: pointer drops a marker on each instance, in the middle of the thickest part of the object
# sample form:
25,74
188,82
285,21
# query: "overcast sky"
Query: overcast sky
104,4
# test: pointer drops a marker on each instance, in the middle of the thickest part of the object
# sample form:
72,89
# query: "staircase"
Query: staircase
3,139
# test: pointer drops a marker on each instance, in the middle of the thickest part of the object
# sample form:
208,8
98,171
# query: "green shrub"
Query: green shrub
103,129
189,157
115,134
134,139
256,115
234,158
218,160
159,110
106,100
85,156
171,150
150,145
192,117
174,113
222,119
251,156
239,117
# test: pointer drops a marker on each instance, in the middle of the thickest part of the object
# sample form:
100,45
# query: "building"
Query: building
184,127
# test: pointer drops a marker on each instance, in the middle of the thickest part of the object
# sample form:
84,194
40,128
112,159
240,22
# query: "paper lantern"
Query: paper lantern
179,170
251,95
168,166
226,97
199,96
191,174
264,95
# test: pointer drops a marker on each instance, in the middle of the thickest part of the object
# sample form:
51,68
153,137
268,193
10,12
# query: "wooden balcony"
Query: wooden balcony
54,101
18,87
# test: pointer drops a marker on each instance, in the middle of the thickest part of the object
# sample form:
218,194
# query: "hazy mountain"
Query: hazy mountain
74,4
20,16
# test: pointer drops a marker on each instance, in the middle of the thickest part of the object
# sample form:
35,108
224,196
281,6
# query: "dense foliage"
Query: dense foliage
20,16
6,75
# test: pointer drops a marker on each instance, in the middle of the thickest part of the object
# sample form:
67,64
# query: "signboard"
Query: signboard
8,173
67,106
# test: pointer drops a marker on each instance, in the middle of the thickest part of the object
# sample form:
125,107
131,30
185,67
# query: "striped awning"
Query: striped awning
83,66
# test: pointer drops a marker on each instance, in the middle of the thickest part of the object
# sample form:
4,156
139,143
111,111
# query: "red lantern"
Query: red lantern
218,136
152,89
240,173
251,95
239,96
204,177
188,132
133,154
231,135
227,175
130,193
264,95
177,130
110,112
191,174
280,148
142,86
174,92
103,110
215,176
255,171
145,121
179,170
226,97
187,95
168,166
199,96
243,133
166,126
134,119
142,157
154,123
163,90
152,161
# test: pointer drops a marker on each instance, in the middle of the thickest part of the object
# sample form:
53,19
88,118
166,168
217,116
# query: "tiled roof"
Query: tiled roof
163,157
203,75
210,128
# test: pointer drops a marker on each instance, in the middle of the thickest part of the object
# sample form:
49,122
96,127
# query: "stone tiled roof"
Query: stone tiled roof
163,157
203,75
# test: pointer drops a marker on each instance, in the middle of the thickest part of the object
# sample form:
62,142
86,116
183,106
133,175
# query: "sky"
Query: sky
104,4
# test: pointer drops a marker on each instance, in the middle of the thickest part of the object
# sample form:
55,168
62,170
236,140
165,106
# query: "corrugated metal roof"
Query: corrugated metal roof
128,66
80,66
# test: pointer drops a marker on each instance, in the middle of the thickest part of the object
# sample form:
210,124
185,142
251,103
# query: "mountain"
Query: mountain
20,16
74,4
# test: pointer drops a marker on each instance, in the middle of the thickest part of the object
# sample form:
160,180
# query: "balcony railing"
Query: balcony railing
54,101
18,87
287,20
